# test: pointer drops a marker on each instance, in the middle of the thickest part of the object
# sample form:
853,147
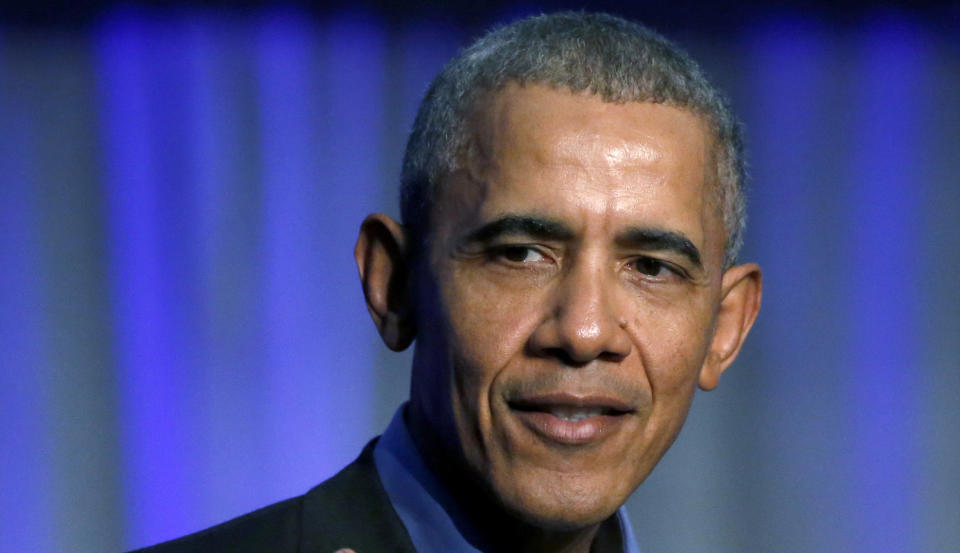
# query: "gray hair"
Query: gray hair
617,60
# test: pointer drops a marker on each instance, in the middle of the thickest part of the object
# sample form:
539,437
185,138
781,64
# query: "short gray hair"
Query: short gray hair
618,60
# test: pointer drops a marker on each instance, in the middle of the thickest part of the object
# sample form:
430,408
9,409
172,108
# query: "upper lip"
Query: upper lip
609,405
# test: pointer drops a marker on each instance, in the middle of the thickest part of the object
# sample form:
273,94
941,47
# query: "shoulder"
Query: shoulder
349,510
276,527
355,511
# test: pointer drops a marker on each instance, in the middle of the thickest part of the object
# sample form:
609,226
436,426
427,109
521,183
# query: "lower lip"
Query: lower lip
565,432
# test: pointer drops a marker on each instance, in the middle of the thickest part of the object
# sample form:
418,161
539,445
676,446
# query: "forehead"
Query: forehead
546,120
540,148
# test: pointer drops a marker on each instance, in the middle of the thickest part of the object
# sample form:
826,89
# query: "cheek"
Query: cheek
486,331
488,328
672,341
672,344
490,324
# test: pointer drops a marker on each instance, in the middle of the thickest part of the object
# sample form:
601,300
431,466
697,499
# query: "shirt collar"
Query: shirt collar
431,517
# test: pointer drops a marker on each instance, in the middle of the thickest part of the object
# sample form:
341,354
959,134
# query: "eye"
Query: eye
518,254
652,267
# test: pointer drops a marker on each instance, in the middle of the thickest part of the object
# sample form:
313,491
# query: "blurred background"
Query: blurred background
183,337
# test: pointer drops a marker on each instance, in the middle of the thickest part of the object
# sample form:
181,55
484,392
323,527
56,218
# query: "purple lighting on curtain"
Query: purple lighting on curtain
150,259
289,403
425,48
28,500
226,189
884,296
319,98
783,116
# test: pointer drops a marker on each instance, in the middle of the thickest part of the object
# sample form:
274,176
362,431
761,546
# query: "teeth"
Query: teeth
574,414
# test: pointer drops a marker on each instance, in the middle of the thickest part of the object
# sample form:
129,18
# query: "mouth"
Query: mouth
567,419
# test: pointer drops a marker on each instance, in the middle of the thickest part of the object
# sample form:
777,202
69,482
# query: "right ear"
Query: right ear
384,273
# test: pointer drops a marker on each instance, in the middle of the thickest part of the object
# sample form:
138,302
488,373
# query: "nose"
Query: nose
585,320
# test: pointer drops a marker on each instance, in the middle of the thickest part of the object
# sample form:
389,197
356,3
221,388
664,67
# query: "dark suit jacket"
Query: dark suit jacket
349,510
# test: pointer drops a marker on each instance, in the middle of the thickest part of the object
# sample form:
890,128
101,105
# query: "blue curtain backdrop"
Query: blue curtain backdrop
183,338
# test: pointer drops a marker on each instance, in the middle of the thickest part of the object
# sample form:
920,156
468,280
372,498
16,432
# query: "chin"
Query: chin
562,502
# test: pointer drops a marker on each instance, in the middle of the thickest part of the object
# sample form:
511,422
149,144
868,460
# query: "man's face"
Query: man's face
572,292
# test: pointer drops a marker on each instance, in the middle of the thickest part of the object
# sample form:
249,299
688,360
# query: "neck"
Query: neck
491,527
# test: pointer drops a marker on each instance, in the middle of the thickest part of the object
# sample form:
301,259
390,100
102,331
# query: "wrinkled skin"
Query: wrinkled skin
570,300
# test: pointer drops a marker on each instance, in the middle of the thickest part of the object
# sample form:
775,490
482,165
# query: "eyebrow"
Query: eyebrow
661,240
542,228
545,228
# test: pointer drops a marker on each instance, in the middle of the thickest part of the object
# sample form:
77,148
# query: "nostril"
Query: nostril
565,357
614,356
576,358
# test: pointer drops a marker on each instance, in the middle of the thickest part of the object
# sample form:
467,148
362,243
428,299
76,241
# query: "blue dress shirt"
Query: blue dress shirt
431,517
